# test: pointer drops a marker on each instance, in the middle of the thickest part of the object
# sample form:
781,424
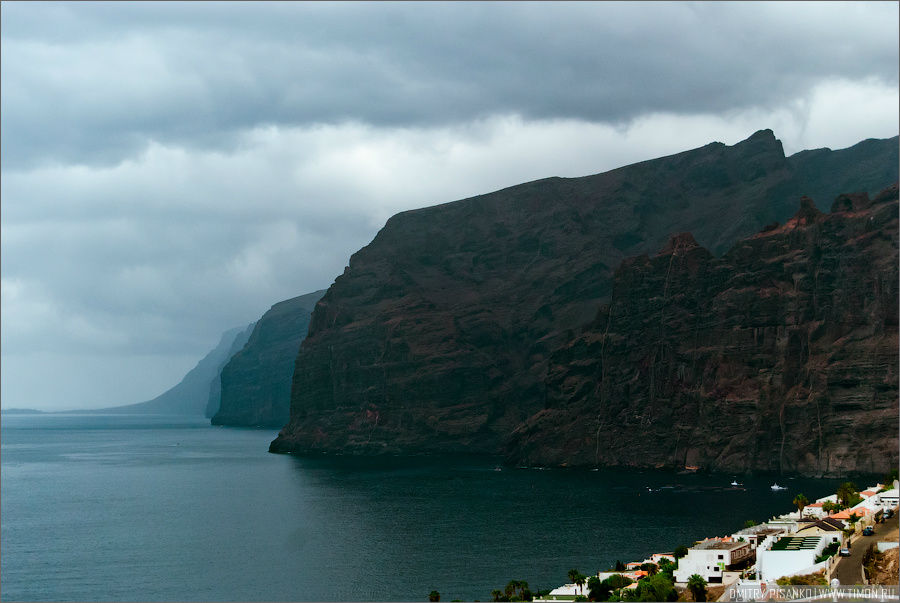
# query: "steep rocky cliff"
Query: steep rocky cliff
438,334
780,355
255,385
214,397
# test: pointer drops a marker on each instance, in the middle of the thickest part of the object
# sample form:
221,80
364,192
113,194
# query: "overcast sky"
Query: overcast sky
170,171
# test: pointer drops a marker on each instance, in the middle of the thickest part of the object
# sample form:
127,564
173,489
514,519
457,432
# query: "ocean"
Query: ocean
155,508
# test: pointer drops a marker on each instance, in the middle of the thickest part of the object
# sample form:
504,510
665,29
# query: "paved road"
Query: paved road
849,569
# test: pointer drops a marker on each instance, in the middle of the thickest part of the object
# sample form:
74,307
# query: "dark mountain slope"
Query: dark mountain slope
781,355
255,385
214,398
438,334
824,172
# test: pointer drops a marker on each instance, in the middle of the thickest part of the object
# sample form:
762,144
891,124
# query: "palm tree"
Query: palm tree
800,501
496,594
697,585
573,573
580,579
434,596
511,588
846,492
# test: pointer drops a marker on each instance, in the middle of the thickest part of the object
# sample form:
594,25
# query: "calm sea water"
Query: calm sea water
124,508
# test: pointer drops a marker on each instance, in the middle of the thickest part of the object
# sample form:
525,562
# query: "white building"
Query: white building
567,592
756,534
889,498
711,558
814,510
788,555
789,524
657,557
630,575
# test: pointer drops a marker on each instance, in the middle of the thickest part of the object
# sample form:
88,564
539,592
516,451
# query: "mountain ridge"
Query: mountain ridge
254,385
191,394
437,336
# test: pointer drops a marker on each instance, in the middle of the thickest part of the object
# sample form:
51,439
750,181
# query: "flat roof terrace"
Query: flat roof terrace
796,543
719,545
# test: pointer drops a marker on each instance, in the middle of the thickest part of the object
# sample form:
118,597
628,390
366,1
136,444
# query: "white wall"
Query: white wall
772,565
889,498
704,562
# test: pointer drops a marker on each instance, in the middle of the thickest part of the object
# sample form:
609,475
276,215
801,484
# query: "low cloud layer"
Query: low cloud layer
172,170
95,83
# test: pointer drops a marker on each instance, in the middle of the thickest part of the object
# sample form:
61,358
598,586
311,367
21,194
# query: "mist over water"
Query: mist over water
125,508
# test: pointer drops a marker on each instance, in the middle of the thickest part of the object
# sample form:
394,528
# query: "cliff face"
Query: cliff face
214,397
437,336
781,355
255,385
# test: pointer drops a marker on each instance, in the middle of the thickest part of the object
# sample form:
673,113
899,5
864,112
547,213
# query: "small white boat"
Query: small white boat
775,486
734,482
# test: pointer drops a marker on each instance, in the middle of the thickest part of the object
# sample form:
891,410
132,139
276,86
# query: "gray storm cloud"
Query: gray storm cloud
170,170
94,82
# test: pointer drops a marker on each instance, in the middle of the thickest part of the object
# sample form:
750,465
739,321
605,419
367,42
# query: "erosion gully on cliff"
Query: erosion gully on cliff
473,326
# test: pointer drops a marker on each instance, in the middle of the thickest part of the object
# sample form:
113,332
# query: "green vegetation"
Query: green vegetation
800,501
807,580
515,590
668,568
605,590
795,543
434,596
680,551
652,588
697,585
650,568
578,579
618,581
890,477
829,551
749,523
830,507
848,494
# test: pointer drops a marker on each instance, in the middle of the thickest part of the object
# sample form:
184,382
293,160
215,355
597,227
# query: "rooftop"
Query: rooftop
719,545
764,528
823,527
846,513
796,543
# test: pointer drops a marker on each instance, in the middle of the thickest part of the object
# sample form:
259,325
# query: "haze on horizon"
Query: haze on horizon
171,170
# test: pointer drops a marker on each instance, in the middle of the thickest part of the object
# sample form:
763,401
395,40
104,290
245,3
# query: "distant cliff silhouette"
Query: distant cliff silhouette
255,384
191,395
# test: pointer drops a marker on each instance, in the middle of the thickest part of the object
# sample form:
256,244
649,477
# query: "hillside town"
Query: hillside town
825,542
